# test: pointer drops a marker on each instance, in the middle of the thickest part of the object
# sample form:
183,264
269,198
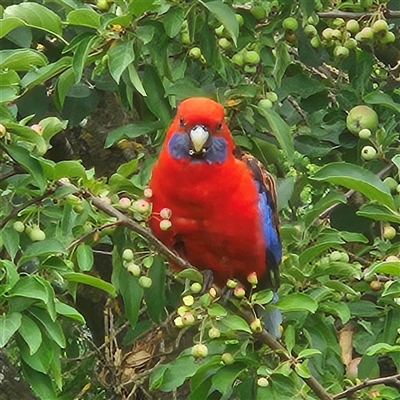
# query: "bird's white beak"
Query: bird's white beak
199,135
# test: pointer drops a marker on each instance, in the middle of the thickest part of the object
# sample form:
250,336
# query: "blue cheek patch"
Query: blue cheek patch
179,146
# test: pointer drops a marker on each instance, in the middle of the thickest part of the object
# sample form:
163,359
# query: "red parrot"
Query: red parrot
223,202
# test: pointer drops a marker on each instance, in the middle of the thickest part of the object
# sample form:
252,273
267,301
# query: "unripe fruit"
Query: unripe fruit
148,192
195,52
391,183
238,60
102,5
214,333
187,319
341,52
353,26
145,282
335,256
220,31
188,301
165,213
185,38
310,31
315,42
368,153
327,33
37,128
227,358
338,22
392,259
364,133
388,38
133,268
224,43
344,257
127,255
290,24
182,309
336,34
366,34
256,326
19,226
165,224
251,57
37,235
124,203
178,322
389,232
361,117
350,44
231,283
380,26
252,278
375,285
199,350
239,19
262,382
271,96
196,287
239,292
265,103
3,130
258,12
250,69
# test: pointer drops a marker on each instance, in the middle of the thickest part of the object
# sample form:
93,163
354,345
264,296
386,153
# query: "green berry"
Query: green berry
165,224
239,19
238,60
380,26
290,24
366,34
3,130
188,319
341,52
224,43
199,350
195,52
310,31
327,33
391,183
258,12
251,57
37,235
214,333
188,300
389,232
133,268
350,44
336,256
227,358
315,42
220,31
265,103
127,255
364,133
271,96
19,226
262,382
256,326
124,203
196,287
368,153
145,282
352,26
388,38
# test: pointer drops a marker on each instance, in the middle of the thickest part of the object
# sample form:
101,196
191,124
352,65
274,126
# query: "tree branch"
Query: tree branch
356,15
393,380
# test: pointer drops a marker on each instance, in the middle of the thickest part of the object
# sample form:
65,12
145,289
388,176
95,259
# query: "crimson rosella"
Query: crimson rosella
223,202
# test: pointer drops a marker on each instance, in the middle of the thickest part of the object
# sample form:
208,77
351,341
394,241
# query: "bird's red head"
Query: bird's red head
199,132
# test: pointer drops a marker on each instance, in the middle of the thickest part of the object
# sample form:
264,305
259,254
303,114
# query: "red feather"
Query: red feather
215,219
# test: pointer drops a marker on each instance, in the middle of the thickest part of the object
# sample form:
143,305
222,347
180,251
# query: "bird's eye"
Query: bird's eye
182,122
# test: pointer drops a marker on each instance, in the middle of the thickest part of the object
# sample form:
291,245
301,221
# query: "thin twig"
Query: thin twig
393,380
355,15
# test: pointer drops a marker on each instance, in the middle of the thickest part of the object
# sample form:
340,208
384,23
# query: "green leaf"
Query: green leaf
8,24
340,309
128,168
365,308
155,295
384,267
302,370
313,251
379,212
21,59
280,129
135,80
223,380
283,60
29,286
381,348
11,241
131,131
306,353
31,333
224,14
85,17
354,177
64,82
396,161
23,157
263,296
37,16
120,56
41,249
53,328
191,274
91,281
41,383
40,75
236,323
70,312
84,257
69,169
9,324
139,7
81,53
216,310
297,302
382,99
290,337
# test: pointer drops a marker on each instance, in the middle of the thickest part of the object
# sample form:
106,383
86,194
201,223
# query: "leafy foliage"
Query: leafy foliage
288,73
